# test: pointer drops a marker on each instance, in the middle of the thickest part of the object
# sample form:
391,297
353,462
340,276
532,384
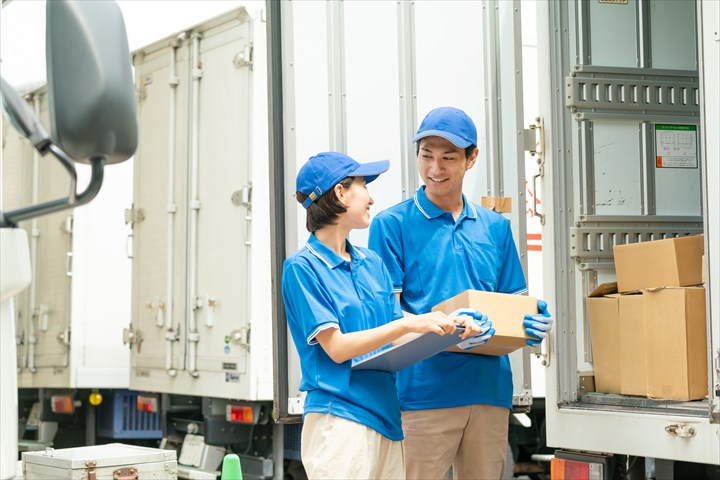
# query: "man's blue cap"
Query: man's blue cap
449,123
322,172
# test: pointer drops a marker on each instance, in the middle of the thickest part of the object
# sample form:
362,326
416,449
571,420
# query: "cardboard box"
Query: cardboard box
660,263
617,340
506,312
604,320
633,363
704,278
676,343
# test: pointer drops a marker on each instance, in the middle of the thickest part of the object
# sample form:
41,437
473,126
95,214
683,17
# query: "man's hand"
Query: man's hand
538,325
479,331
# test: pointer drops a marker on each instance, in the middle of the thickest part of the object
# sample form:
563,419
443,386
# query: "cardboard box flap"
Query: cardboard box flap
604,289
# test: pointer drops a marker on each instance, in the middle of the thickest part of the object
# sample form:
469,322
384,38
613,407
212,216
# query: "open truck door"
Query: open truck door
621,82
358,77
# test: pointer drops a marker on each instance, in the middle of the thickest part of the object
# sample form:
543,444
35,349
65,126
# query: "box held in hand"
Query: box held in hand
506,312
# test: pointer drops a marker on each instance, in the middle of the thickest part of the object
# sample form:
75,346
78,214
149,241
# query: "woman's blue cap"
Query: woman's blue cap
449,123
322,172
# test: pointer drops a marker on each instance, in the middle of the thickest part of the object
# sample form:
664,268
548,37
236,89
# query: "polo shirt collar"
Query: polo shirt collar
330,258
430,210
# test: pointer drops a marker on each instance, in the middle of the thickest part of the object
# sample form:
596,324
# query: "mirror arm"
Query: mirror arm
66,162
11,218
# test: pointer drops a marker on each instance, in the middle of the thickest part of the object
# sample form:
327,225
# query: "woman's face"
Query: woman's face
357,200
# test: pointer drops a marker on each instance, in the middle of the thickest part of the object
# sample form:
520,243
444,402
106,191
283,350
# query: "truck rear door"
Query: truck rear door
358,77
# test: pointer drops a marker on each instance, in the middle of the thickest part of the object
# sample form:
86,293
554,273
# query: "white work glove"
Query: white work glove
486,330
538,325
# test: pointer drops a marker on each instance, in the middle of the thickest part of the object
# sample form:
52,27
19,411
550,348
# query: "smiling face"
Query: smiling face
442,167
357,200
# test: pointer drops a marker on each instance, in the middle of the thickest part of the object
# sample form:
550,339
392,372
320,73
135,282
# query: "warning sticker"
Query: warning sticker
676,146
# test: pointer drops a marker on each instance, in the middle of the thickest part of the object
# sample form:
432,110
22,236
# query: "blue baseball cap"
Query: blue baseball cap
449,123
322,172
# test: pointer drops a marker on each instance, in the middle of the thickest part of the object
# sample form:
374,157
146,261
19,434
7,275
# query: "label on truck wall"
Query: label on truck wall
675,146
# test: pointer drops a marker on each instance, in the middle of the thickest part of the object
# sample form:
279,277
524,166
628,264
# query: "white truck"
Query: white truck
92,116
229,108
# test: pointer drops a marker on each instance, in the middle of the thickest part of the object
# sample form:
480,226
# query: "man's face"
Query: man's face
442,166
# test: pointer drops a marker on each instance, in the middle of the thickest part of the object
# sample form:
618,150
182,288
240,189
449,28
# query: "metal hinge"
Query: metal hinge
241,336
134,215
242,196
244,58
131,337
64,337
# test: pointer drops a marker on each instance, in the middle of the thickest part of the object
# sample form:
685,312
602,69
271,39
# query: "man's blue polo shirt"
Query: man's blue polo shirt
431,257
322,290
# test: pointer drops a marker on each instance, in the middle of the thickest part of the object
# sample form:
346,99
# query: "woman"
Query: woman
340,305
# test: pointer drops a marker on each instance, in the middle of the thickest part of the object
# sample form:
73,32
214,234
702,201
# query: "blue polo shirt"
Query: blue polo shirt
432,257
322,290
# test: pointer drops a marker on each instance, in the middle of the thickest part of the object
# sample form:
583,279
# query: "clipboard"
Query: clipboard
402,356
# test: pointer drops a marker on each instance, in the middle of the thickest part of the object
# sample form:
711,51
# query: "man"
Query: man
436,245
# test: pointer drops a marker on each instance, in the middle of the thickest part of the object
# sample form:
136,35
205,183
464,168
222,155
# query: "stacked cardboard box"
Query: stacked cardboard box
648,331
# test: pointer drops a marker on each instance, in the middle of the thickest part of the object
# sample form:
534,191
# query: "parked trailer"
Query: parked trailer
70,319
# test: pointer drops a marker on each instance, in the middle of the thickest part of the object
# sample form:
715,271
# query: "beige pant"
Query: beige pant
473,439
335,448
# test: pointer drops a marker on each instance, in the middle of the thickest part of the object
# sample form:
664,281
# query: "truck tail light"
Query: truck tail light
562,469
147,403
62,404
239,414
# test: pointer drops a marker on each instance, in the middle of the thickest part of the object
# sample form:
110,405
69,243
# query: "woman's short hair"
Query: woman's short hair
325,210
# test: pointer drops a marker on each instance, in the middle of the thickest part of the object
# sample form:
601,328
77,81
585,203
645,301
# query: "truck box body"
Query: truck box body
70,319
200,306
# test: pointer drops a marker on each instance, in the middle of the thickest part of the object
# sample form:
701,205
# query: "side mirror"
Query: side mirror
90,81
90,92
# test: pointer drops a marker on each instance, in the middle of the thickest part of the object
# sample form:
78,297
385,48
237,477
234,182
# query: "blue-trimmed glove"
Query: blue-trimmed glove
538,325
486,330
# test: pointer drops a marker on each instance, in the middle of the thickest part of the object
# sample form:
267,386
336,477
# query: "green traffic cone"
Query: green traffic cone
231,468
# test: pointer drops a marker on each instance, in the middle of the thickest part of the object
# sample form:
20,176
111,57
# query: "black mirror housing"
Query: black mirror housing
93,113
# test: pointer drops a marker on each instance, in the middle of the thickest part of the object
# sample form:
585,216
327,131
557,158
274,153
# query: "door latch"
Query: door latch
535,145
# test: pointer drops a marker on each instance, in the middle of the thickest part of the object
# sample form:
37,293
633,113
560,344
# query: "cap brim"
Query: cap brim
452,138
371,170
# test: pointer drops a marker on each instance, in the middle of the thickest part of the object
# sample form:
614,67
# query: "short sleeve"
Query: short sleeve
385,239
307,302
512,278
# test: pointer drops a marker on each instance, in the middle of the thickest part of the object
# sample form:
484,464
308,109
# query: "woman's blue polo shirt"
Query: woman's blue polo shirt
322,290
432,257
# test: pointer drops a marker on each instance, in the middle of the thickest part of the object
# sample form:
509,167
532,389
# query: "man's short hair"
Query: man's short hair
468,150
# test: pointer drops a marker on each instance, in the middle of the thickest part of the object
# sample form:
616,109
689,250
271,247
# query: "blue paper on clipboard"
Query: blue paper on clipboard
402,356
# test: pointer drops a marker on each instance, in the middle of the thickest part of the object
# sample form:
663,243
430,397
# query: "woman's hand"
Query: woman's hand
437,322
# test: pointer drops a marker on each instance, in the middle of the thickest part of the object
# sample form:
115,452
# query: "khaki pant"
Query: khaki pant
334,448
472,439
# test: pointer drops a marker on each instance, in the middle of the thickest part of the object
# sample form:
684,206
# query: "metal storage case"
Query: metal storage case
99,462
